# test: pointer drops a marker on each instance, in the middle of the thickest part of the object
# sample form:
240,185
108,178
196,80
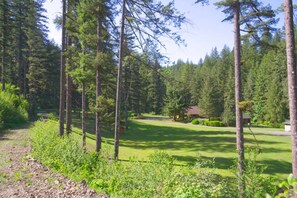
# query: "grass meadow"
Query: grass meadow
188,143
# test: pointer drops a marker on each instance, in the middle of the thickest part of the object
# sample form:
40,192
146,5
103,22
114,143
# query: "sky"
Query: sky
204,31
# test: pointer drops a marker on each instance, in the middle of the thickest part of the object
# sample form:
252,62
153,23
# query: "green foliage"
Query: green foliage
177,102
105,107
209,101
287,188
195,121
246,106
13,108
52,116
256,184
212,123
157,177
273,125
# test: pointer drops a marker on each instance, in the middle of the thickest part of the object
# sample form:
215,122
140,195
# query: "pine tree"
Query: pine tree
62,71
275,104
119,83
4,34
36,54
255,19
95,21
177,101
229,101
292,81
208,101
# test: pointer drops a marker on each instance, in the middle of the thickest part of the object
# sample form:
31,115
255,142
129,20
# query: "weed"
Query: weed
17,175
3,177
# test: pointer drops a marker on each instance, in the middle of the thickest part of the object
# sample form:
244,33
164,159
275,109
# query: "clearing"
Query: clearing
187,142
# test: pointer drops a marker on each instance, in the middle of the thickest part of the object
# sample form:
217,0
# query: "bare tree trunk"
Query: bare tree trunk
83,118
31,105
19,58
98,85
68,104
3,63
4,43
25,91
69,96
126,99
119,85
239,127
62,73
292,81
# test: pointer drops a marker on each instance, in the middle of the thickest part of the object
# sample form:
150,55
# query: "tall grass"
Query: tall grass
156,177
13,108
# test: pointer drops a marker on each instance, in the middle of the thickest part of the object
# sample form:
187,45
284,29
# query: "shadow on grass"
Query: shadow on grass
182,142
144,136
276,166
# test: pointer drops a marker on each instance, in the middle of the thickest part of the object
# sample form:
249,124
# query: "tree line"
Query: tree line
28,59
210,83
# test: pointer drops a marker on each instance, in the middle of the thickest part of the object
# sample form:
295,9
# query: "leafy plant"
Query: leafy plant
213,123
287,188
195,121
13,108
52,116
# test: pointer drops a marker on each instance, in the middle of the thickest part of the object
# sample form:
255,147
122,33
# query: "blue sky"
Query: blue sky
204,32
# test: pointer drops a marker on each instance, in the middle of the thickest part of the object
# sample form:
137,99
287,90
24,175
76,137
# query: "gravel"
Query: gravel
23,176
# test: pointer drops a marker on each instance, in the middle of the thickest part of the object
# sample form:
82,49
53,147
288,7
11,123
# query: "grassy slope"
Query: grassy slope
185,142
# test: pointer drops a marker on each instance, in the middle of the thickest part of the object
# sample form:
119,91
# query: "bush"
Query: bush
196,121
256,183
273,125
13,110
213,123
52,116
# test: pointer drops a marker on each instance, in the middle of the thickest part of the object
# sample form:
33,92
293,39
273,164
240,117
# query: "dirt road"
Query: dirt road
22,176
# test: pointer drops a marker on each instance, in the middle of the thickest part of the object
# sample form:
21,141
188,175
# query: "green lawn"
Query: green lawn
185,142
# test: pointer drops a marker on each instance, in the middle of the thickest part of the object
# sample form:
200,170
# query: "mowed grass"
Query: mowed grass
187,142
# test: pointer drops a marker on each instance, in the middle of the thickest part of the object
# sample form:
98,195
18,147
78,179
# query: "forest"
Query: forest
108,74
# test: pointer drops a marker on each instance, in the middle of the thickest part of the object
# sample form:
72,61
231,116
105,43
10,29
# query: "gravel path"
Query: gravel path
22,176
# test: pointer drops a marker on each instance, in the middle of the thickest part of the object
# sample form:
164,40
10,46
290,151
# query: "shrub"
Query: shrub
52,116
285,188
196,121
13,108
273,124
256,183
213,123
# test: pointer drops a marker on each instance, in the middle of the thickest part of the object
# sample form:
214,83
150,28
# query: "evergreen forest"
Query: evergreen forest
108,77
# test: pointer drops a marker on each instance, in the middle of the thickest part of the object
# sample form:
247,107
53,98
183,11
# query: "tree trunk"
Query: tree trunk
19,57
292,81
31,105
25,91
83,118
69,96
126,98
62,73
4,43
98,85
68,104
119,83
239,127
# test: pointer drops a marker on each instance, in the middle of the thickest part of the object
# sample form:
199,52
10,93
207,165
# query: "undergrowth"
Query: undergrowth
156,177
13,108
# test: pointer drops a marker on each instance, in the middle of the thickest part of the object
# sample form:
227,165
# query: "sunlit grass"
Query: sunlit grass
185,142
